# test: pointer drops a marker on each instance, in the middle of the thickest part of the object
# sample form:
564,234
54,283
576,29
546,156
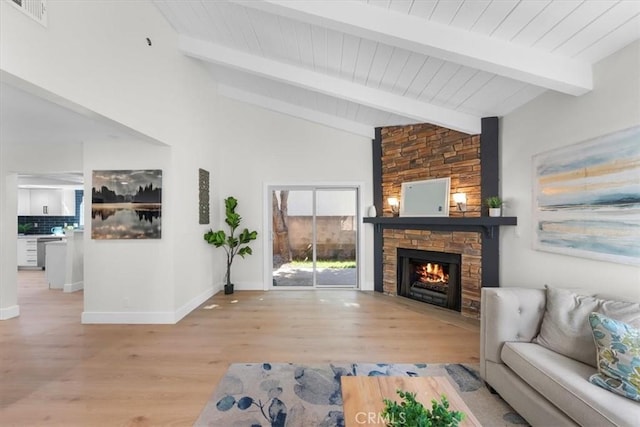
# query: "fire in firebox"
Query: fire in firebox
431,273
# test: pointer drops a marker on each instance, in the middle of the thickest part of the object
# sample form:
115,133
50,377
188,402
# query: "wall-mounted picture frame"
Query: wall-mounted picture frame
126,204
425,198
586,198
203,196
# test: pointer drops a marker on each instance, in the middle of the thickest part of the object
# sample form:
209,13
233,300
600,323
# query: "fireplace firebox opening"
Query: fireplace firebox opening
429,276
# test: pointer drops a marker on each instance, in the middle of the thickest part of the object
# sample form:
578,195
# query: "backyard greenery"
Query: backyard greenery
324,264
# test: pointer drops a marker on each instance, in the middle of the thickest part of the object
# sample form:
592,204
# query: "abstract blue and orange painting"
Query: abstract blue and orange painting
587,198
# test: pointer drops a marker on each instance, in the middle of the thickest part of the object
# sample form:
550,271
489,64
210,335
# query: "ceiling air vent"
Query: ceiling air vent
36,9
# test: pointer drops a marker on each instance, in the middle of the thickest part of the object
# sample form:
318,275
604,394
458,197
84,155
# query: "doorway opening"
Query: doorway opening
314,237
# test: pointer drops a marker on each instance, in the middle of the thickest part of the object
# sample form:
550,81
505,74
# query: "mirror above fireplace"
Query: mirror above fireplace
425,198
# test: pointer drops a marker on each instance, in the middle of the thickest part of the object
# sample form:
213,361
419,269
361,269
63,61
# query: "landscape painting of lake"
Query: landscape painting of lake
126,204
587,198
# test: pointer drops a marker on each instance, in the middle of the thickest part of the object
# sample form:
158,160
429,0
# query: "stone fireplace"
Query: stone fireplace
466,246
468,242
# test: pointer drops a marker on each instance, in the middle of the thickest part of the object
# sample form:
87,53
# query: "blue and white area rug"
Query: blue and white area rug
299,395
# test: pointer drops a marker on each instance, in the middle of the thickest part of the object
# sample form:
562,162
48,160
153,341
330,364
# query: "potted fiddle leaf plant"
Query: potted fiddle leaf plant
494,203
232,244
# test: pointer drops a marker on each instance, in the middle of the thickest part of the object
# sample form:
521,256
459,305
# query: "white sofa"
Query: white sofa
545,387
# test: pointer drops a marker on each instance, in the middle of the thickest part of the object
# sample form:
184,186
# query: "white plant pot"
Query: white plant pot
495,211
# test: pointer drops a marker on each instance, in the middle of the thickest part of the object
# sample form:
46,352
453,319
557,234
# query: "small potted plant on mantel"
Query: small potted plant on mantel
494,203
230,243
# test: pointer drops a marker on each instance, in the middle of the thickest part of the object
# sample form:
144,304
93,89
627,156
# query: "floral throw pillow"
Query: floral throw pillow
618,347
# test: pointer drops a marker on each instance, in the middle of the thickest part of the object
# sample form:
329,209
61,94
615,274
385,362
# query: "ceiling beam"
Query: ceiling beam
297,111
328,85
501,57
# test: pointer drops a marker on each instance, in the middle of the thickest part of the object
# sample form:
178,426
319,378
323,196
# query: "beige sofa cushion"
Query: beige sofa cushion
565,382
565,324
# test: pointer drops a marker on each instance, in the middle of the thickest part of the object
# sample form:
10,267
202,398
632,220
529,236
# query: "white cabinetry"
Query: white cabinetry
40,201
24,201
46,202
27,252
68,204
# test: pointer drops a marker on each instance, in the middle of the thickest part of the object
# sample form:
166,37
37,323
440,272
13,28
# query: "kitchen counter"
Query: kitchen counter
39,236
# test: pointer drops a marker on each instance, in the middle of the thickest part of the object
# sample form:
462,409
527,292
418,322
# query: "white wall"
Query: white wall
95,57
548,122
263,147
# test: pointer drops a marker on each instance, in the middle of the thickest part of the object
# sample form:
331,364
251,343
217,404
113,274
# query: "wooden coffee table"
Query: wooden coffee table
362,397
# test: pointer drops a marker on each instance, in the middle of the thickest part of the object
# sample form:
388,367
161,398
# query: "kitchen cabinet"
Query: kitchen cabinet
68,204
46,202
49,201
27,252
24,201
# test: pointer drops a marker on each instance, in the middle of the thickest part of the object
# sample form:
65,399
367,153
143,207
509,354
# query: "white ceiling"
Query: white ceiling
28,118
357,65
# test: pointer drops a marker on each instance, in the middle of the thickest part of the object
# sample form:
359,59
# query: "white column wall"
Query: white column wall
94,57
554,120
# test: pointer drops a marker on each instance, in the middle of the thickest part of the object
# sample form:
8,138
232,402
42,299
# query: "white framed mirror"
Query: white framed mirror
425,198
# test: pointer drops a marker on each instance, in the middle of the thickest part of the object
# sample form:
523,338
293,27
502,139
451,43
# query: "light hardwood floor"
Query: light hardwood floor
56,371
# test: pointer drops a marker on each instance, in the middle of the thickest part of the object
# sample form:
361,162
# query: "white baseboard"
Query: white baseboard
249,286
193,304
128,317
73,287
146,318
9,312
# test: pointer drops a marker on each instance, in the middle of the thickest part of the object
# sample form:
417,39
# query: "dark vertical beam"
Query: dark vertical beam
377,201
489,160
490,186
377,171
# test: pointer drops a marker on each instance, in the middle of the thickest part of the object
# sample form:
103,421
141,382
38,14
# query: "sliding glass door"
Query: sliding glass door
314,237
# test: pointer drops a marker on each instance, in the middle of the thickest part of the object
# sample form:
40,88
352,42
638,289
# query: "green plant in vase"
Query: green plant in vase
232,244
494,203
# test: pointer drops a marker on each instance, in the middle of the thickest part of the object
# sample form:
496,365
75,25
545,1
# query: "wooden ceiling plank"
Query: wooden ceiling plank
379,64
426,73
328,85
545,21
621,36
394,67
423,8
219,20
289,40
495,14
446,11
474,84
409,73
350,47
471,49
334,46
365,60
401,6
602,26
573,24
519,18
319,43
469,13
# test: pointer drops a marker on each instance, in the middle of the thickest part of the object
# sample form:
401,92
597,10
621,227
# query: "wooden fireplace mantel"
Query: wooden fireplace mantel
484,224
